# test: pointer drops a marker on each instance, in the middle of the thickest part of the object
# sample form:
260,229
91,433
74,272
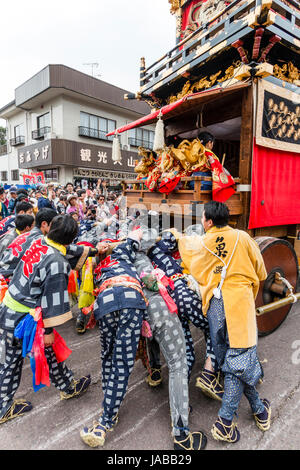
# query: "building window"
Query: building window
19,130
95,127
15,175
19,137
4,176
3,149
43,121
43,127
51,175
141,138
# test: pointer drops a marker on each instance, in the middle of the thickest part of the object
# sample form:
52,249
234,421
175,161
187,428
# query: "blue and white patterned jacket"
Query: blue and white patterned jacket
119,263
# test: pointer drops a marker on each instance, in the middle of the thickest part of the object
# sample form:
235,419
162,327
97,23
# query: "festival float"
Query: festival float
233,72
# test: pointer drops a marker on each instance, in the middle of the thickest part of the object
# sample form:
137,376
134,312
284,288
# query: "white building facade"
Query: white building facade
58,123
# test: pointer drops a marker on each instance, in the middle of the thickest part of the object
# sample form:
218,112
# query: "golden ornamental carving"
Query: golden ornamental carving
283,123
175,5
205,82
287,72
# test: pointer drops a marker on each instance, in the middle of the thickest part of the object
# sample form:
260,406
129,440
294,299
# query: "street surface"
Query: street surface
144,420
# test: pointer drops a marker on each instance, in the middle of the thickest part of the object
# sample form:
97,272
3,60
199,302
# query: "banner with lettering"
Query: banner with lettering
38,177
278,118
28,179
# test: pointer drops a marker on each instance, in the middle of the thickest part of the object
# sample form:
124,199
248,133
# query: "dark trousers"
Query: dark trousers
119,336
11,363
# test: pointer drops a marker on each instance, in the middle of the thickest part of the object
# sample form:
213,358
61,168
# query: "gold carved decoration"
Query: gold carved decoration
175,5
287,72
205,82
282,121
278,117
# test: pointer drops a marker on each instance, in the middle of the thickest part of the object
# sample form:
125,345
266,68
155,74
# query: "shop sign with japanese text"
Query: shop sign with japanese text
32,156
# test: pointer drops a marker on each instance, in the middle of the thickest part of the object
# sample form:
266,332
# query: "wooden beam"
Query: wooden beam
212,113
246,148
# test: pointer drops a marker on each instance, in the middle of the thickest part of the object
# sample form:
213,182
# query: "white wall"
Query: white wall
65,175
9,162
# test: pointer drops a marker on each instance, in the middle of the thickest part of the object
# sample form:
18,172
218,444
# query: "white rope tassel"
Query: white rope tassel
217,290
159,136
116,150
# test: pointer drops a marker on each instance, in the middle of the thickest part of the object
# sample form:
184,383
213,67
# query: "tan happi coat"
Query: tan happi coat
241,284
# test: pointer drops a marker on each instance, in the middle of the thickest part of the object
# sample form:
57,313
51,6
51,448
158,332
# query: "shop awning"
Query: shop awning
180,106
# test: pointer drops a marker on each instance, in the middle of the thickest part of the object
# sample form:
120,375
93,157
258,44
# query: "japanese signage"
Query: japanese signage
80,155
103,158
85,173
278,122
35,155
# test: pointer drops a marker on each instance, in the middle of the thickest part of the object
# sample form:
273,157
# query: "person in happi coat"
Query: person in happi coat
40,280
22,207
167,332
228,266
76,255
189,309
119,309
23,223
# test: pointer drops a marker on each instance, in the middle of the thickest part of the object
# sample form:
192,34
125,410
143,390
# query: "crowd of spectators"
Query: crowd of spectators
83,204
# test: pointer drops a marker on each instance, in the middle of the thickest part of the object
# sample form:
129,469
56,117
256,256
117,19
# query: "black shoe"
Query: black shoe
18,408
190,441
77,388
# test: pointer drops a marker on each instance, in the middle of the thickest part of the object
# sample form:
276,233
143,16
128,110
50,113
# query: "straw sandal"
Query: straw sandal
193,441
77,388
263,420
223,432
18,408
210,385
154,379
96,434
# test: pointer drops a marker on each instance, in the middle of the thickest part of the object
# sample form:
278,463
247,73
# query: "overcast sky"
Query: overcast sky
113,33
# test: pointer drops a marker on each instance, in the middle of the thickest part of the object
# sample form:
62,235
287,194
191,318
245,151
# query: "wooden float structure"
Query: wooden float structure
234,71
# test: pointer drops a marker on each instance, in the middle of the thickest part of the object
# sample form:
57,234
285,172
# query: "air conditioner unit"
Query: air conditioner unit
126,147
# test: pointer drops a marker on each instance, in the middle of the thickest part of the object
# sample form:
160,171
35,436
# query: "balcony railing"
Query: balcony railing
3,149
93,133
40,133
140,143
18,140
226,27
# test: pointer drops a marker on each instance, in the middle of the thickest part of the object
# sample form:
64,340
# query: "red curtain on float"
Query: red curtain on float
275,196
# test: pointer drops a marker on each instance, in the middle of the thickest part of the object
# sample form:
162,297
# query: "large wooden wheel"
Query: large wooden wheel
279,257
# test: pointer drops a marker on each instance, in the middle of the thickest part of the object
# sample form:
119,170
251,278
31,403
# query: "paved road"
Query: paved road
144,422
